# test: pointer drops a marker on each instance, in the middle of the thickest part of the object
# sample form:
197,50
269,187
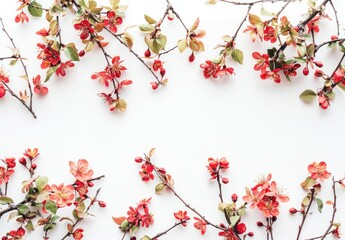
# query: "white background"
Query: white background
260,126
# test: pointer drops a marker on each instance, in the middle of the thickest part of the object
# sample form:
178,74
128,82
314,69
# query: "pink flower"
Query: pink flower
62,195
5,175
81,170
269,207
318,170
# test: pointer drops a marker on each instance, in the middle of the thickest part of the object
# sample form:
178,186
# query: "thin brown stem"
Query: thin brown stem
336,16
86,211
167,51
254,2
331,222
12,207
176,14
29,107
10,57
241,24
314,238
305,214
317,48
169,229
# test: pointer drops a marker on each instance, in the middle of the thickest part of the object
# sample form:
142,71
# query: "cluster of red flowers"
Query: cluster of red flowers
158,65
215,70
136,216
7,171
265,195
215,165
4,78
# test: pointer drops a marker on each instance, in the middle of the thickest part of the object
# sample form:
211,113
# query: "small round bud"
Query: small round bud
34,166
22,161
225,180
81,53
102,204
90,184
250,234
154,85
293,210
234,197
147,53
191,58
259,224
138,159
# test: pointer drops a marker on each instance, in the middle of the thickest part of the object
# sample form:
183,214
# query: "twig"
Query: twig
29,107
328,42
169,229
254,2
334,210
336,16
86,211
305,214
244,19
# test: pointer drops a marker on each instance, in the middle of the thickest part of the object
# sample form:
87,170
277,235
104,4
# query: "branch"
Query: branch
87,210
169,229
334,211
305,214
244,19
254,2
29,107
336,16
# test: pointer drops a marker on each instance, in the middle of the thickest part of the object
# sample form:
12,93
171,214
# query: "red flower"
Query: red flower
78,234
61,70
313,25
270,34
43,32
271,75
21,17
133,216
182,216
262,61
200,224
146,218
146,172
253,32
318,170
110,100
339,76
62,195
103,77
50,57
85,29
5,174
228,234
116,69
10,162
2,91
16,234
290,69
113,21
31,154
336,231
157,65
210,69
269,207
39,88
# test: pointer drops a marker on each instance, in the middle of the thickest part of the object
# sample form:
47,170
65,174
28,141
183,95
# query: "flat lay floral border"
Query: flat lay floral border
95,27
92,22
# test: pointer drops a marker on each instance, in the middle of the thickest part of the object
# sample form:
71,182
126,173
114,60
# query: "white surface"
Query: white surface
261,127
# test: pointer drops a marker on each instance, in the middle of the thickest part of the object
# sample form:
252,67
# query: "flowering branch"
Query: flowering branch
17,56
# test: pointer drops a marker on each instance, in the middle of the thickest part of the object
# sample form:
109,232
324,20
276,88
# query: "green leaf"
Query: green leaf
182,45
342,48
319,204
41,182
234,220
149,19
49,226
29,226
254,20
50,72
53,219
308,182
82,4
35,9
13,62
71,53
311,50
271,52
305,201
308,95
237,55
266,13
51,207
162,40
156,47
121,105
159,188
23,209
124,225
146,28
5,200
114,3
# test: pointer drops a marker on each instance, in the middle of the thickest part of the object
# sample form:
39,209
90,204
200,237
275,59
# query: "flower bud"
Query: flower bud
81,53
225,180
102,204
259,224
334,37
250,234
34,166
162,72
241,228
138,159
90,184
154,85
305,71
147,53
234,197
22,161
293,210
191,57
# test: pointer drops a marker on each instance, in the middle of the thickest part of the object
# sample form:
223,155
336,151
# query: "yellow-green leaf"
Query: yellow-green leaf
149,19
71,53
308,95
159,188
182,45
121,105
255,20
5,200
128,39
195,25
237,55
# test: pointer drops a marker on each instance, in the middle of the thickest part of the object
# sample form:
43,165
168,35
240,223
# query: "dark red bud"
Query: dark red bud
234,197
22,161
138,159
